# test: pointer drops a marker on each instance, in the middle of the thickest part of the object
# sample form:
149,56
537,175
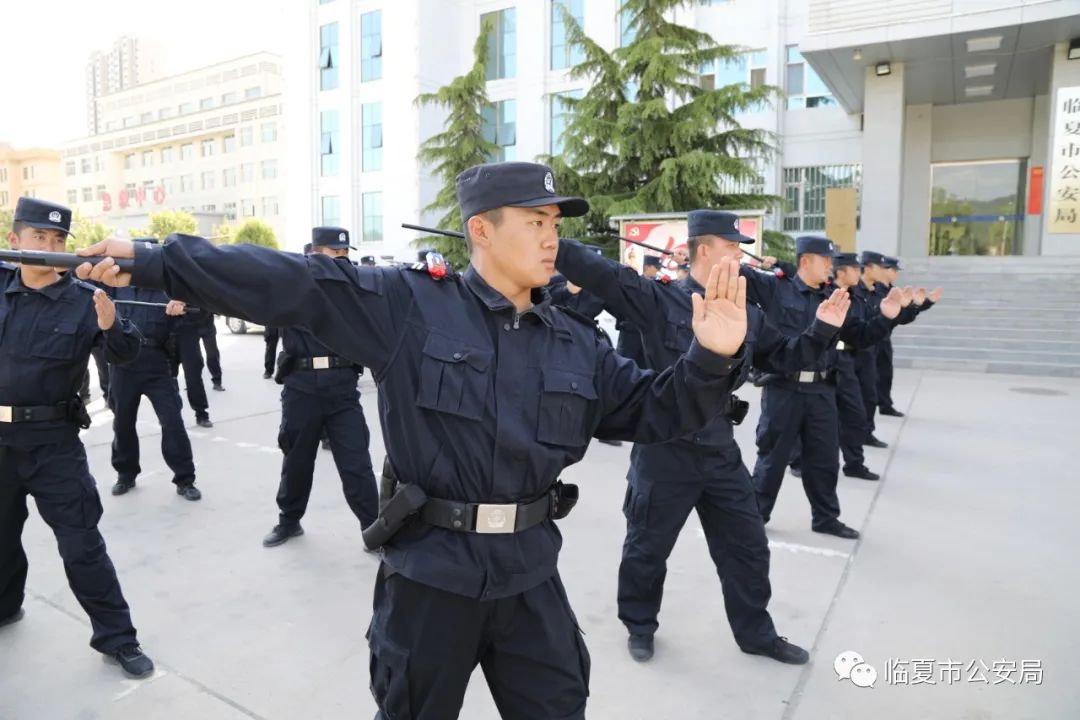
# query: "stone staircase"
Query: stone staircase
1016,315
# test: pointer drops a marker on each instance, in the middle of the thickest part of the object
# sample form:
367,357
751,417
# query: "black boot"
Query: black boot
891,412
641,647
862,472
281,534
873,442
13,618
122,486
838,529
189,492
780,650
132,661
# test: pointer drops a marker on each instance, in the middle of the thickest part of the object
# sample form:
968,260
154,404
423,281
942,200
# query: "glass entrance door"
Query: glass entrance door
976,208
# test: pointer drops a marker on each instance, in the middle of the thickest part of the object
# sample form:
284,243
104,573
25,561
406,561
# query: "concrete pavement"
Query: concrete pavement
968,555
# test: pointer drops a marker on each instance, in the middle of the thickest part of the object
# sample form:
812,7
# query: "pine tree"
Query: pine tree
646,136
458,147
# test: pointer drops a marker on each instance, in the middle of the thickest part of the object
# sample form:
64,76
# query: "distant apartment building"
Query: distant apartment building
34,172
128,63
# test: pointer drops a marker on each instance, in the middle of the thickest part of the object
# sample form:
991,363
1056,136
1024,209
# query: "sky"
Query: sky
47,43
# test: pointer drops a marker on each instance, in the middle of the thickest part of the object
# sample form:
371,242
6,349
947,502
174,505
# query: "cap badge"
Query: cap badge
549,183
342,237
54,216
735,224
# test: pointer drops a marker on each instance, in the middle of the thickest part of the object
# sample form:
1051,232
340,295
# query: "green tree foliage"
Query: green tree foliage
256,232
7,218
223,234
458,147
166,222
646,136
778,245
86,232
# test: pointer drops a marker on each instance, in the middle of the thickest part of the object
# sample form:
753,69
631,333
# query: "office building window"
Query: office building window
3,174
208,180
129,162
228,143
500,128
166,112
230,211
747,68
187,183
269,169
804,88
145,118
329,142
804,193
560,117
99,192
252,93
148,186
148,158
166,155
207,148
371,46
331,210
228,177
131,121
247,208
247,172
373,136
88,194
328,56
129,188
229,98
206,103
373,217
69,168
247,136
187,151
209,208
186,108
169,184
84,165
502,43
72,196
269,207
565,54
627,28
269,132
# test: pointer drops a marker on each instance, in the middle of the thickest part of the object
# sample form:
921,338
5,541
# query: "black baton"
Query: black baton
64,260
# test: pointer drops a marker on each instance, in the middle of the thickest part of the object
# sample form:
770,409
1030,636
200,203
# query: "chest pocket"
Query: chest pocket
678,331
793,316
564,408
454,377
54,339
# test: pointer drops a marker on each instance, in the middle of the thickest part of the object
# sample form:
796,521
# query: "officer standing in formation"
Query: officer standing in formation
150,375
208,334
703,470
189,356
801,406
487,393
320,396
48,324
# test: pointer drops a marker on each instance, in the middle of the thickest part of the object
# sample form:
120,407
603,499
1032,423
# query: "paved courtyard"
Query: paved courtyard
962,594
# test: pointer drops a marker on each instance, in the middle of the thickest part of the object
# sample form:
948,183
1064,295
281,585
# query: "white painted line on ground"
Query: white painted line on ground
795,547
133,685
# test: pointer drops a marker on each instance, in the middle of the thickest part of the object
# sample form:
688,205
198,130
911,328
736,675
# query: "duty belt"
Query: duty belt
809,376
33,413
487,518
324,362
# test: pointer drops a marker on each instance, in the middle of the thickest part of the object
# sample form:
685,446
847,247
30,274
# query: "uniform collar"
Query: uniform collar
804,288
53,291
692,286
497,302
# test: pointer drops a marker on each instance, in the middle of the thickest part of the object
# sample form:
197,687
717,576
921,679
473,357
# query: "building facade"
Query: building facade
210,142
34,172
358,130
128,63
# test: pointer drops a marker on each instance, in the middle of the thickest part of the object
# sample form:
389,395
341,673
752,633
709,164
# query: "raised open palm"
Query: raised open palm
720,317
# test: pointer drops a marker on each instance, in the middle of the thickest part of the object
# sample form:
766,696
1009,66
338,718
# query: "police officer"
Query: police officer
150,375
851,410
208,334
189,355
630,344
870,291
802,405
704,470
486,394
320,396
923,302
48,323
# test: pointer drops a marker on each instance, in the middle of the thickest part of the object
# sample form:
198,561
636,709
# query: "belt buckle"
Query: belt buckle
495,519
807,376
320,363
6,413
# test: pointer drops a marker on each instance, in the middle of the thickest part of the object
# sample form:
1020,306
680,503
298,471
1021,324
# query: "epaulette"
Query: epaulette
435,266
579,316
